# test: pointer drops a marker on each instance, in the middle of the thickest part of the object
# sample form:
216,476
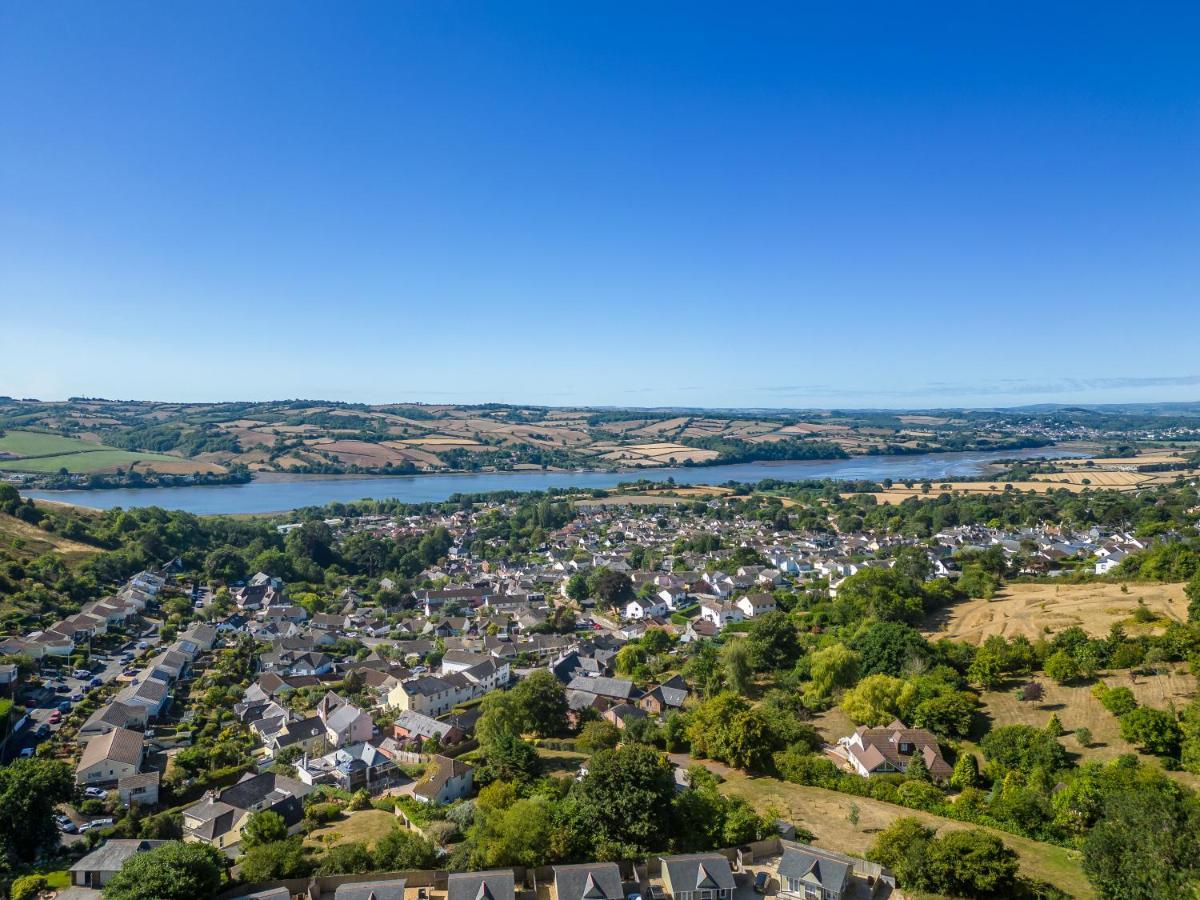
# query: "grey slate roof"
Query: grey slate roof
111,855
698,871
391,889
590,881
801,861
497,884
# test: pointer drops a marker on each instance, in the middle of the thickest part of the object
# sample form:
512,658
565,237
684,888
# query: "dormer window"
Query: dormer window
906,747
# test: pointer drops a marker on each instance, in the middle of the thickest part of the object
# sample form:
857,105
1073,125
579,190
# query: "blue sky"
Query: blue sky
635,204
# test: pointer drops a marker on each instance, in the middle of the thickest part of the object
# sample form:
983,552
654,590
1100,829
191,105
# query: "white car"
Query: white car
95,792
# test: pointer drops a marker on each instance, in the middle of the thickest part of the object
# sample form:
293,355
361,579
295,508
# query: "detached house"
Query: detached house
109,757
697,876
875,751
753,605
808,873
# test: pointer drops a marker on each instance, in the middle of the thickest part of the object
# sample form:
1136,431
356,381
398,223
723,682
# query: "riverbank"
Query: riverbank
263,496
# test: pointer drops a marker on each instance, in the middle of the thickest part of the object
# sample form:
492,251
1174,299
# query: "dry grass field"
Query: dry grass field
1076,707
1036,610
366,826
35,542
827,815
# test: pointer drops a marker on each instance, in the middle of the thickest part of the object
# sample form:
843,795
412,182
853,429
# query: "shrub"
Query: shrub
28,886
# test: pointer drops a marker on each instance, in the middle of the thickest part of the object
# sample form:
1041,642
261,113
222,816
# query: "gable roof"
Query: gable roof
590,881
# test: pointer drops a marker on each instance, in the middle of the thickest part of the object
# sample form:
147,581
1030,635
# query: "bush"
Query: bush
28,886
323,813
1118,700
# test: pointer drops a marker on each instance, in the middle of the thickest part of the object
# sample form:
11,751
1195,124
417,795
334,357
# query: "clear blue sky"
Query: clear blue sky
636,204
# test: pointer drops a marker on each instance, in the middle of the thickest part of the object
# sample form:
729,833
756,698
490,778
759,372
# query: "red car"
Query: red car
55,717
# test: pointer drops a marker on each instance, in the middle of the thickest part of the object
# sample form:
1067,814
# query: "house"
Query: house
809,873
109,757
141,789
432,695
588,881
347,724
720,614
645,608
497,884
697,876
618,690
753,605
669,695
98,868
450,780
875,751
410,726
113,715
355,767
218,819
622,714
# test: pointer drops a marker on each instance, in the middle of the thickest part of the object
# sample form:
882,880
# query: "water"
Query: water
276,495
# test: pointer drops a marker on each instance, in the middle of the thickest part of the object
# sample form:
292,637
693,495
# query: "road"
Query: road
42,708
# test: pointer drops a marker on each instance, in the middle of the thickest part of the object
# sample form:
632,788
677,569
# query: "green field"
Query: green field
50,452
36,443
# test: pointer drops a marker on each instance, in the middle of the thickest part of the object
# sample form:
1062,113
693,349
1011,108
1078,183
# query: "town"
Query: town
655,639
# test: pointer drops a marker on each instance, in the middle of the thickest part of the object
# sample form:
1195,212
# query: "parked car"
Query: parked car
75,697
95,792
62,688
55,717
26,752
760,882
42,730
142,645
96,682
65,706
65,825
82,673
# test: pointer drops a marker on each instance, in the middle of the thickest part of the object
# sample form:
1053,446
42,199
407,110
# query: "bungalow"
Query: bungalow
98,868
141,789
669,695
645,608
720,614
411,727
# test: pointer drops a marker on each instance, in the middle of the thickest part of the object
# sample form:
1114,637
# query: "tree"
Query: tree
916,768
263,827
874,701
611,587
1083,736
577,587
1061,666
501,713
280,859
543,703
1156,730
172,871
773,642
971,863
598,735
627,795
1192,591
1054,727
736,663
1146,845
510,759
1032,692
966,771
351,858
949,714
401,849
225,564
30,789
832,668
889,647
902,847
1022,748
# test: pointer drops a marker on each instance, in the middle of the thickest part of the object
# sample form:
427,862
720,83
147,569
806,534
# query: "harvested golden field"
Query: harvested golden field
361,453
178,466
1116,480
1151,458
1036,610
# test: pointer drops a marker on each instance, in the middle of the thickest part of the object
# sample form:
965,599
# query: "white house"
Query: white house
720,614
645,608
753,605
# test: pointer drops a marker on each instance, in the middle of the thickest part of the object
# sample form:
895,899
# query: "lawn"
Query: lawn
826,815
366,826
